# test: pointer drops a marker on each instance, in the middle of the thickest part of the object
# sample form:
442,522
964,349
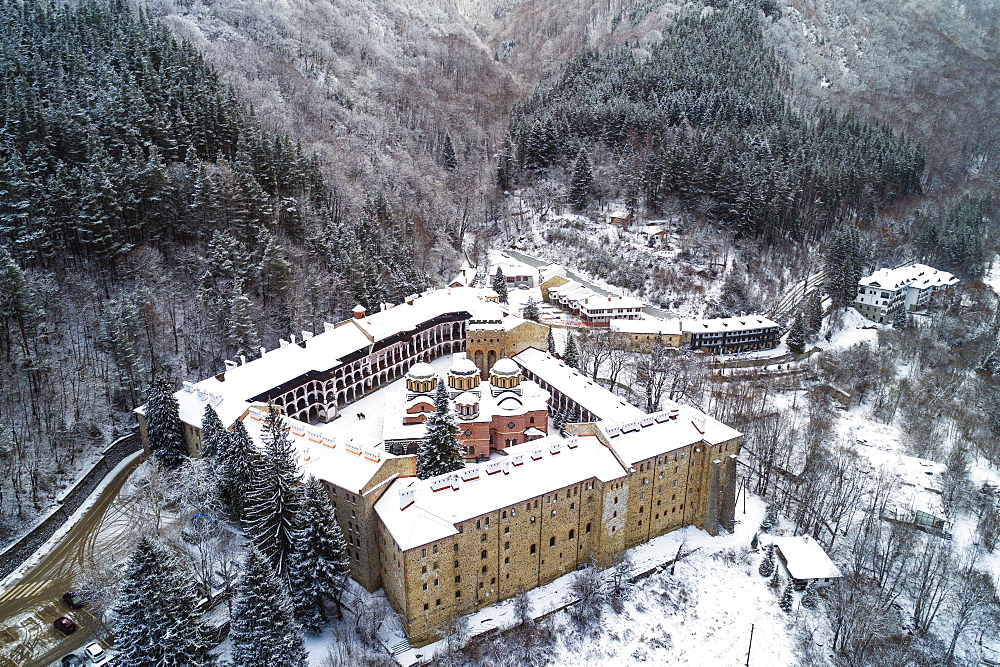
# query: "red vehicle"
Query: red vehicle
64,625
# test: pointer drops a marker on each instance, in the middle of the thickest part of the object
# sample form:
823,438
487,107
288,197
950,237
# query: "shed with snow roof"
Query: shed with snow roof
805,561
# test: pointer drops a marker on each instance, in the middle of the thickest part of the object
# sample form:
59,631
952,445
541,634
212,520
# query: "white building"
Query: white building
803,561
883,294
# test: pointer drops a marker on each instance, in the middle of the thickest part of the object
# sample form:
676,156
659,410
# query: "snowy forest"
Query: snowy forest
183,182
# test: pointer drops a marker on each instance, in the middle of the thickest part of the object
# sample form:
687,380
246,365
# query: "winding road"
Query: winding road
30,605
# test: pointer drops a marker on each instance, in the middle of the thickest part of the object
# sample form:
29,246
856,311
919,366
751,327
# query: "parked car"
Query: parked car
72,660
96,654
72,600
64,625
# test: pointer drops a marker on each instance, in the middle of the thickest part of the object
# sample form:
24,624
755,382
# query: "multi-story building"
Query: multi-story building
588,305
730,335
645,332
491,416
456,543
884,294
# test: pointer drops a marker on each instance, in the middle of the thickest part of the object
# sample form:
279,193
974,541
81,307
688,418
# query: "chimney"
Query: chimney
282,342
327,327
243,359
306,335
291,339
263,351
405,497
187,386
410,299
230,365
359,312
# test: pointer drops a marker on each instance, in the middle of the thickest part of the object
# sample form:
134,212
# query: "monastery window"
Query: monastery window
532,519
506,561
504,515
483,554
506,530
642,496
425,586
456,563
556,498
479,524
641,509
435,565
612,529
661,474
682,506
458,594
553,513
614,515
482,538
675,482
458,579
677,469
673,496
640,523
572,506
456,548
437,603
531,420
493,580
506,545
657,503
590,500
532,549
423,553
616,500
587,529
426,606
572,534
527,505
423,569
513,513
436,582
461,529
484,569
434,550
353,515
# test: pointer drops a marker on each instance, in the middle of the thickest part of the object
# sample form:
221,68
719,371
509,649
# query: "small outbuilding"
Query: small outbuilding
804,561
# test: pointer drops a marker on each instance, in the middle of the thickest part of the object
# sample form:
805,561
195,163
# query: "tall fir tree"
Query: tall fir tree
440,451
766,568
500,285
163,425
582,184
263,631
845,264
274,498
550,342
448,153
320,564
530,311
571,357
787,598
157,622
239,459
814,314
797,335
213,437
19,302
240,330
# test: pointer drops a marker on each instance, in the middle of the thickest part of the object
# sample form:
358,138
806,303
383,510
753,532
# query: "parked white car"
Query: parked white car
96,654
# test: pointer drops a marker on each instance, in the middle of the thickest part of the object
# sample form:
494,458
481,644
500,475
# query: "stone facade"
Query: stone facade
485,344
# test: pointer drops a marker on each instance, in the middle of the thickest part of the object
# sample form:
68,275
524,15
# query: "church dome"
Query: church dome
505,367
466,398
463,366
421,371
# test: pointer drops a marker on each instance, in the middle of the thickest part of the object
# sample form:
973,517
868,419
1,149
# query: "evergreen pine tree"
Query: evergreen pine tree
797,336
530,311
238,461
776,580
500,285
163,425
787,598
814,320
263,631
845,262
440,451
755,542
213,436
156,619
582,184
809,600
770,518
19,301
240,333
766,568
902,319
570,355
274,498
448,152
550,341
320,564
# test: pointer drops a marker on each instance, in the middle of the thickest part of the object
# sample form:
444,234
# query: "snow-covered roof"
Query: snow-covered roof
463,366
676,426
720,324
648,326
346,462
918,276
550,271
421,371
418,512
592,396
466,398
572,291
531,431
597,301
231,392
805,558
505,367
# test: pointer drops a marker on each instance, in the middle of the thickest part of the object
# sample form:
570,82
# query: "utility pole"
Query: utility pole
751,644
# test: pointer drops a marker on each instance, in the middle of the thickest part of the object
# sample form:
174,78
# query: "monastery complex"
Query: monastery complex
530,505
